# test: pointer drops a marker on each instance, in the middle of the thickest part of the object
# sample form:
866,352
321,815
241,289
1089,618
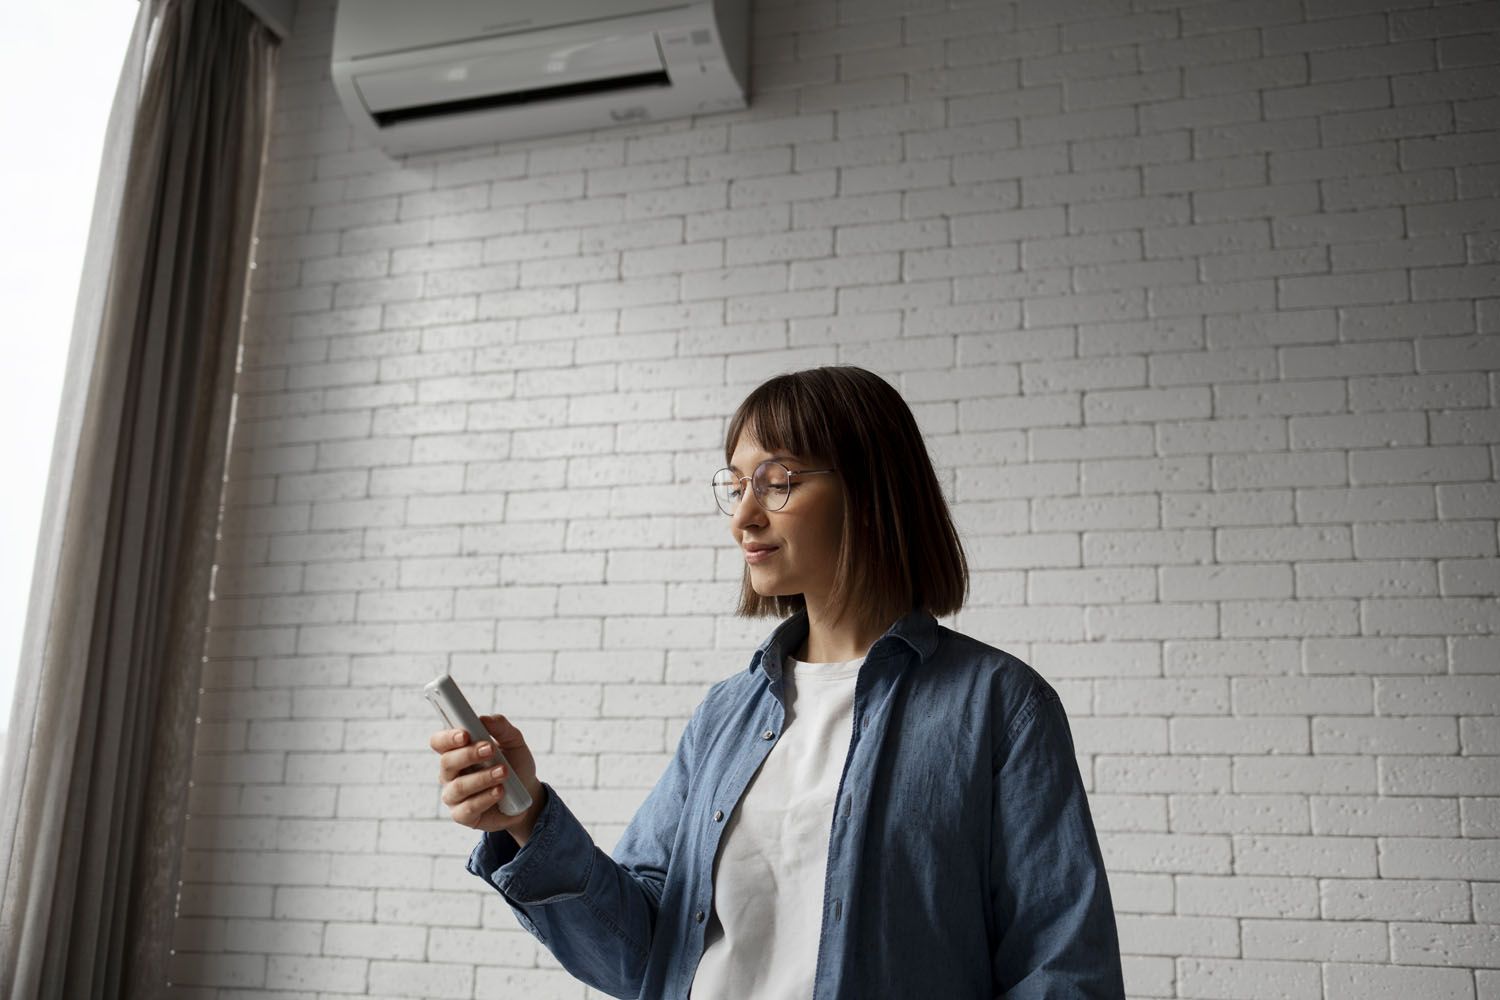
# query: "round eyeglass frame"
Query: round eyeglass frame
790,474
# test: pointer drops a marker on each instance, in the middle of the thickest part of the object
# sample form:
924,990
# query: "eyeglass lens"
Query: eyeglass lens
770,481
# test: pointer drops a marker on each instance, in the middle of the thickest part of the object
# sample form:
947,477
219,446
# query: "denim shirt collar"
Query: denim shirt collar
916,629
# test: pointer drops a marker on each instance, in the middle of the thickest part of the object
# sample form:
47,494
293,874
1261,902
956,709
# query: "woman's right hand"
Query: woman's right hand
473,799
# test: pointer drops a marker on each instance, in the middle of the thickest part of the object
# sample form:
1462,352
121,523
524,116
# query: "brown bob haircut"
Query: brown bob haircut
900,550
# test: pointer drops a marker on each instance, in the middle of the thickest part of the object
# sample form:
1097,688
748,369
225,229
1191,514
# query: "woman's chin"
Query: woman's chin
766,586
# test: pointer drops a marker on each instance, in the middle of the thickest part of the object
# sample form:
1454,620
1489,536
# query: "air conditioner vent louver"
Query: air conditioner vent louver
535,95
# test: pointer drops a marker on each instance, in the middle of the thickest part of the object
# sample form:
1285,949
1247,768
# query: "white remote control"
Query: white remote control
455,709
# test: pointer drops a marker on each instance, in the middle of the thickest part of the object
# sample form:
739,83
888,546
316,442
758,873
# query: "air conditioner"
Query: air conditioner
436,75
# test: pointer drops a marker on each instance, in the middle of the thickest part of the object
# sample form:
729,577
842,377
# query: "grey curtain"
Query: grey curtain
95,778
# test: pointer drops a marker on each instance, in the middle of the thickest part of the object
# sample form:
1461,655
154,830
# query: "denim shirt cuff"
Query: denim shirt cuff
554,864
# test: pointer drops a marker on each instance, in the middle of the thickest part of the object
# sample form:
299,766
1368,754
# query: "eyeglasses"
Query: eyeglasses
771,482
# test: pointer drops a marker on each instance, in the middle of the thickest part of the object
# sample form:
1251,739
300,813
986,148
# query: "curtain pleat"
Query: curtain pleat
96,775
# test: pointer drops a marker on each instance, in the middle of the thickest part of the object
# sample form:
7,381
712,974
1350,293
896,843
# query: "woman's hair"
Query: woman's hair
900,550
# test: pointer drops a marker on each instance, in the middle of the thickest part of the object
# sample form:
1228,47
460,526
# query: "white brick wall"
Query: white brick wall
1199,306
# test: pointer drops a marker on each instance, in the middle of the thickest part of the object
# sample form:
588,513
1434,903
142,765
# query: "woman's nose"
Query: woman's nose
748,512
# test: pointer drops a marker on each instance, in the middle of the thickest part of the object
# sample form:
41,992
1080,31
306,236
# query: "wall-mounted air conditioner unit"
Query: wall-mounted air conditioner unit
417,76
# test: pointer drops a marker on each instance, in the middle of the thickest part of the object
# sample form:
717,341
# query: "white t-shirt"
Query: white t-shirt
762,940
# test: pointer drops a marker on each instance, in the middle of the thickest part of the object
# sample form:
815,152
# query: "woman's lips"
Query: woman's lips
753,556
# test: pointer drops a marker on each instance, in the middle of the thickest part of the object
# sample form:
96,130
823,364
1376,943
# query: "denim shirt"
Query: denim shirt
962,857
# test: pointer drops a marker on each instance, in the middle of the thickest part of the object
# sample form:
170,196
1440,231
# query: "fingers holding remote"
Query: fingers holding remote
469,796
458,753
473,776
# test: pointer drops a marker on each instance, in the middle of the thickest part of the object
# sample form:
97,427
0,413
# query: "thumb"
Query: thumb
500,727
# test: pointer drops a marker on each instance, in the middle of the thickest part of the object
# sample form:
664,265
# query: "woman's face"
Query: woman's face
804,534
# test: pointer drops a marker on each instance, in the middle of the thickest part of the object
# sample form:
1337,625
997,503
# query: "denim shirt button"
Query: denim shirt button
698,916
768,735
718,815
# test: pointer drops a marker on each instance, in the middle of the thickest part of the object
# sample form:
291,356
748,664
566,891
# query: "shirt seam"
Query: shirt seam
604,918
1039,696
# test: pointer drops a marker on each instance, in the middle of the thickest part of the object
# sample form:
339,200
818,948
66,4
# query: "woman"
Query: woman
876,806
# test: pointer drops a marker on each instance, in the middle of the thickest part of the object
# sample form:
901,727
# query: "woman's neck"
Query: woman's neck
833,642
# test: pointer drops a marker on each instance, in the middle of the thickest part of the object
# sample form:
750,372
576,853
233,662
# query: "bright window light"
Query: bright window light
61,63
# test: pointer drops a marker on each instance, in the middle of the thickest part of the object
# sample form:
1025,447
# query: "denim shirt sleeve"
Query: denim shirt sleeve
1049,890
596,914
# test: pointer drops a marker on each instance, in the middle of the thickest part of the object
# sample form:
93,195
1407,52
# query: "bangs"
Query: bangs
784,415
